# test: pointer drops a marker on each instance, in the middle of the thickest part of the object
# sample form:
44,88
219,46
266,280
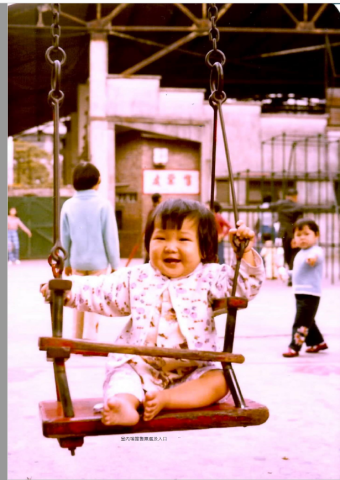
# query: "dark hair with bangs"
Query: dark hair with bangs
173,212
306,222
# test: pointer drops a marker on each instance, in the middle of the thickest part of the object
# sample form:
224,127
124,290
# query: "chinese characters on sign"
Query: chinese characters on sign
171,181
143,439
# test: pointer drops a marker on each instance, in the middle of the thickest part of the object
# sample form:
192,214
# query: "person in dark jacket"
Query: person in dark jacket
289,211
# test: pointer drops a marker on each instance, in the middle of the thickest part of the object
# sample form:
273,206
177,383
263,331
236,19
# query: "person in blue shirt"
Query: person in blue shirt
89,235
307,277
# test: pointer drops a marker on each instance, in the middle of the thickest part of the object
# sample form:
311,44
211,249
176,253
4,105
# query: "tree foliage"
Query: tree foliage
29,167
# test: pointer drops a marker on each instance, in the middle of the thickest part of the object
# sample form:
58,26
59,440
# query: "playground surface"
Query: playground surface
301,439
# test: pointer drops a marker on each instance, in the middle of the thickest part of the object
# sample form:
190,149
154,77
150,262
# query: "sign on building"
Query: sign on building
171,181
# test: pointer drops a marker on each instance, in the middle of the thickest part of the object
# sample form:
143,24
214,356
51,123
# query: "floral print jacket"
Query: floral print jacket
135,291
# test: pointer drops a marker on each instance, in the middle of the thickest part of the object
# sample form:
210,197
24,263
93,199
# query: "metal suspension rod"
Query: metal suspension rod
56,176
231,177
213,162
58,253
215,59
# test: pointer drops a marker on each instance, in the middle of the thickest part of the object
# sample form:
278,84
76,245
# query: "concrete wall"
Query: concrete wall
243,131
140,103
132,97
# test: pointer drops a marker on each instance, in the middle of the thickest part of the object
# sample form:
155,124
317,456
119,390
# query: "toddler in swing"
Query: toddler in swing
170,302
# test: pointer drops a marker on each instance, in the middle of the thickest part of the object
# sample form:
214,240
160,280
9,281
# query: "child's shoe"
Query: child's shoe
17,262
317,348
291,353
10,262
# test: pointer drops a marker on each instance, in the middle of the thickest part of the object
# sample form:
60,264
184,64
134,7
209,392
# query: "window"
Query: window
160,157
223,191
258,188
130,197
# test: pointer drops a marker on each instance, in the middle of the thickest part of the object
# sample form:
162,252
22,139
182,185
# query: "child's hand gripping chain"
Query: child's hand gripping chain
246,234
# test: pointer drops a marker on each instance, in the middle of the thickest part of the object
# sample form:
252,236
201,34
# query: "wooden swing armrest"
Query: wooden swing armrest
103,349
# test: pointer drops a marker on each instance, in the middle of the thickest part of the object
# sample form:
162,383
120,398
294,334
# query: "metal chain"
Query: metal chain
55,95
214,36
55,99
216,86
216,99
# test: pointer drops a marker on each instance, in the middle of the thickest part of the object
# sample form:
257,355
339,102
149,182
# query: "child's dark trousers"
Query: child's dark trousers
305,328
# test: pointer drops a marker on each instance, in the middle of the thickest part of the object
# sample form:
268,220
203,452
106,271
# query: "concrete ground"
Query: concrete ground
301,439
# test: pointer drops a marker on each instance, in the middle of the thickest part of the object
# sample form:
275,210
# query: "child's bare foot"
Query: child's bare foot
121,410
154,403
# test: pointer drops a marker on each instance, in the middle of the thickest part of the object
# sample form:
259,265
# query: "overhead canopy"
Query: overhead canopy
270,48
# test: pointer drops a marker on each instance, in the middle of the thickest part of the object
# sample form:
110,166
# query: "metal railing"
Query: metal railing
326,217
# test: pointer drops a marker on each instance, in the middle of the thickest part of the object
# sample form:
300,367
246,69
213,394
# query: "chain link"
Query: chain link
215,59
215,55
55,25
55,30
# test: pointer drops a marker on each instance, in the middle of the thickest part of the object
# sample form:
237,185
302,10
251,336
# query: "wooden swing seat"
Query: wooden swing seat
70,432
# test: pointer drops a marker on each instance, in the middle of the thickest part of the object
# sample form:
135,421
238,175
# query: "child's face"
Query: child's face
13,212
175,253
305,238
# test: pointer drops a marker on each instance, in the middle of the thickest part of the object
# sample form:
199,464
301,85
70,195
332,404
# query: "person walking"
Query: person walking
89,235
272,256
307,277
289,211
223,228
265,222
13,224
